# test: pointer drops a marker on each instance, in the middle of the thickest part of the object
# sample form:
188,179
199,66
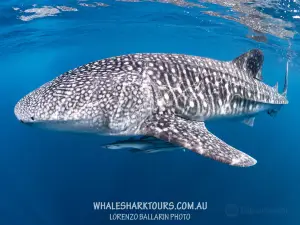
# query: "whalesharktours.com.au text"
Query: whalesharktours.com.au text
149,210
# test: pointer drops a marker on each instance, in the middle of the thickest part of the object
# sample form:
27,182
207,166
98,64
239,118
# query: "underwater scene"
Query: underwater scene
166,112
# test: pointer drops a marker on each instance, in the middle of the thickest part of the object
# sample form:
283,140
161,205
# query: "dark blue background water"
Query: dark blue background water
49,177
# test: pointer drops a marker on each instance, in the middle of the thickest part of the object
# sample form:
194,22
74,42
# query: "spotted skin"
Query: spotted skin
167,96
105,96
201,88
193,135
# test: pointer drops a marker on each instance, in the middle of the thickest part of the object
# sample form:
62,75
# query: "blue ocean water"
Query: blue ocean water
53,178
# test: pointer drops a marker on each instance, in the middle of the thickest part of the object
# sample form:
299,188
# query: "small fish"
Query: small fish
140,145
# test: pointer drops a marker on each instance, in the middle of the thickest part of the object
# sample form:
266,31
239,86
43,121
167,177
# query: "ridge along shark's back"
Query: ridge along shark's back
166,96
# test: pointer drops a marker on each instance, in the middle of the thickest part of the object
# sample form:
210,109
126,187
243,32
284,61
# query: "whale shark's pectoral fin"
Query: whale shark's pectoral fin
251,62
193,135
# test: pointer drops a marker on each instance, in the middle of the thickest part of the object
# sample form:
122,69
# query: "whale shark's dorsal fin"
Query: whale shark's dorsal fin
193,135
251,62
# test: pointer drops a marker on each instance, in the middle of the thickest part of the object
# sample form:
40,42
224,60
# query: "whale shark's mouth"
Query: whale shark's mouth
74,126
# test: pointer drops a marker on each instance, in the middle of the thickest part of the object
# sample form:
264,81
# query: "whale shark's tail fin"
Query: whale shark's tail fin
289,57
273,112
285,88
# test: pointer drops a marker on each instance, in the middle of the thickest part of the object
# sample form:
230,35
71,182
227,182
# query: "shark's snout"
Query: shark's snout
24,112
50,107
38,107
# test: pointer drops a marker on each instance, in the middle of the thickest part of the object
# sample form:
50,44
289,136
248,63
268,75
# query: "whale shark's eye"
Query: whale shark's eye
32,118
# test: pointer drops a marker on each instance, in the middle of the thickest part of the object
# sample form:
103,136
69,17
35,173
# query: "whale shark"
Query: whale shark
166,96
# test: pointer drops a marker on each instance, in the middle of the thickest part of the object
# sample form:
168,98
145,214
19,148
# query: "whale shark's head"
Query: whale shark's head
65,104
94,98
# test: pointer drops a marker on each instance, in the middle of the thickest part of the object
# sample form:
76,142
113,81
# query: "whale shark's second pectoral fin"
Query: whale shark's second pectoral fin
251,62
193,135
